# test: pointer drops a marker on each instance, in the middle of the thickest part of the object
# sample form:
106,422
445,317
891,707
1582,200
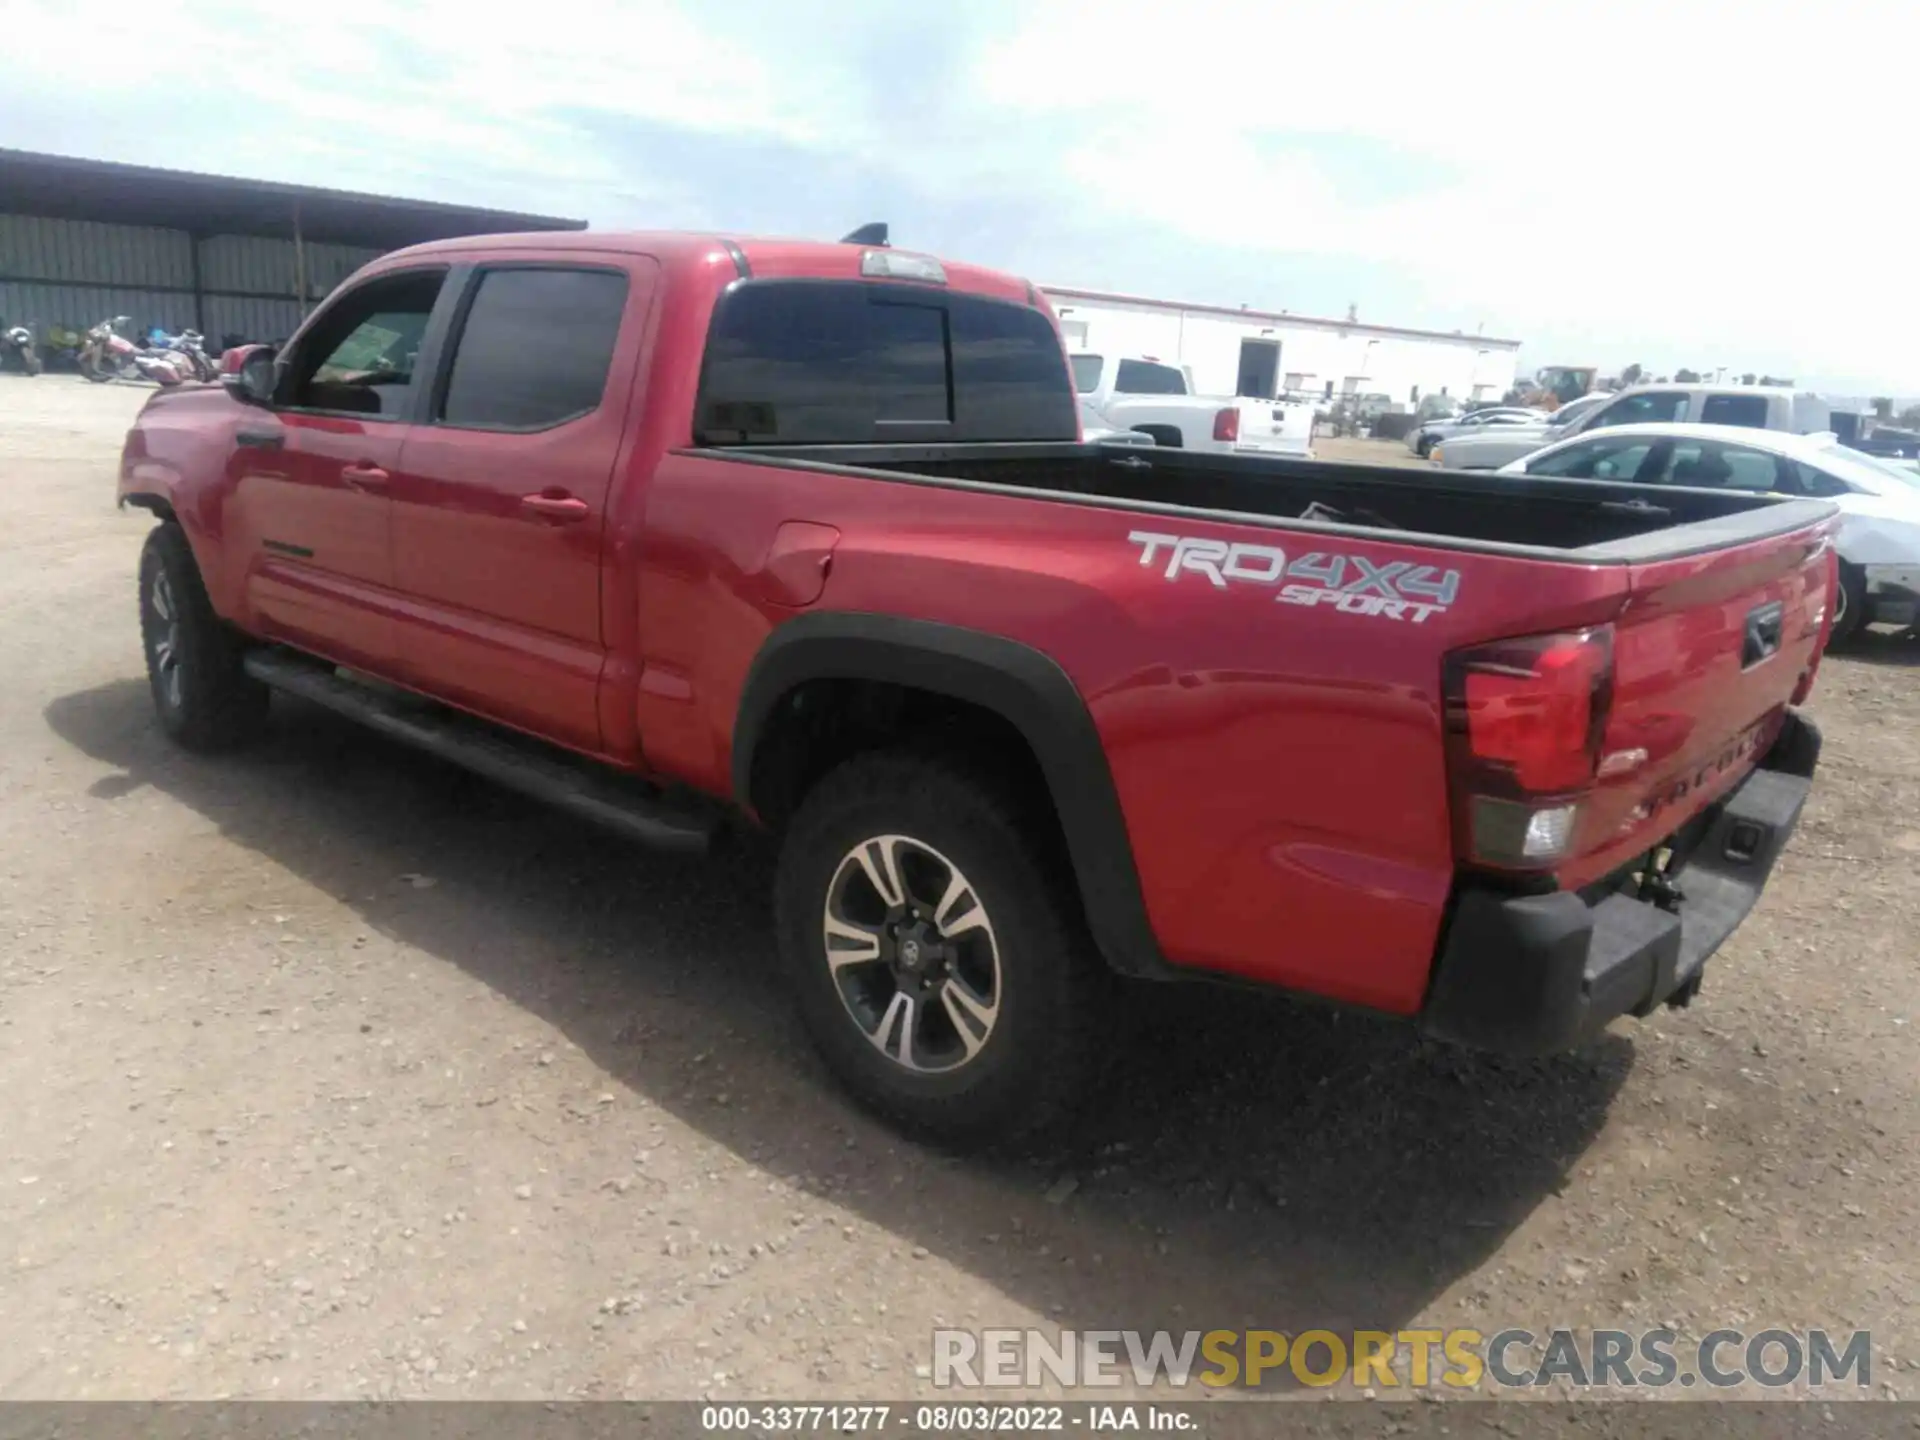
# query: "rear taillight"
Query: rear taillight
1226,424
1525,719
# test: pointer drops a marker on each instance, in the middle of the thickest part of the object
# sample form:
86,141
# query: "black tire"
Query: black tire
95,372
204,696
1423,446
1051,994
1849,604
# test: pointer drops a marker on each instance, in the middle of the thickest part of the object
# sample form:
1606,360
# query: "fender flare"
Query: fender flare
1016,682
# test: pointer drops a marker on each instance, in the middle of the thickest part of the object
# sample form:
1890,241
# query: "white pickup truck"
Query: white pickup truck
1121,393
1751,407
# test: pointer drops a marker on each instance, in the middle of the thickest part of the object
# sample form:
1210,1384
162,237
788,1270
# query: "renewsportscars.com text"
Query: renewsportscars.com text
1383,1360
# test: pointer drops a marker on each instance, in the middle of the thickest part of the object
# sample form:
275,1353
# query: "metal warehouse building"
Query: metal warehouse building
1264,354
82,240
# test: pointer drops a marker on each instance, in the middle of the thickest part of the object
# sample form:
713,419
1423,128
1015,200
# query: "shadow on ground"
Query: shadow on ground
1252,1163
1883,647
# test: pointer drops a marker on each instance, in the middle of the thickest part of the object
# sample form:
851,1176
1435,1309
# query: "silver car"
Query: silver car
1423,438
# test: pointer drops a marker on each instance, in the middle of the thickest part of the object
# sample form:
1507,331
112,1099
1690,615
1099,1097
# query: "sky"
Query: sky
1687,183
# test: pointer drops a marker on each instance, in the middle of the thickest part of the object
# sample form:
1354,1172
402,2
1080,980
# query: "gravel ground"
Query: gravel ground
328,1071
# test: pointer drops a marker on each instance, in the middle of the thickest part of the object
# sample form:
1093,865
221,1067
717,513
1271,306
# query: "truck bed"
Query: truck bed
1588,520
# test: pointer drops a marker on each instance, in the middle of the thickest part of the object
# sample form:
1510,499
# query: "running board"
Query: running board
606,797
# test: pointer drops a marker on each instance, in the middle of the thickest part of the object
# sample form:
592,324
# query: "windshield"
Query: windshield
1086,373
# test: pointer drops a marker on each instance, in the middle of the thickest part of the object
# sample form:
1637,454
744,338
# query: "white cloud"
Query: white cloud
1688,171
1691,177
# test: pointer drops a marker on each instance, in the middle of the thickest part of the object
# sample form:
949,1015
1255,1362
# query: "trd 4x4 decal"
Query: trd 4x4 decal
1353,584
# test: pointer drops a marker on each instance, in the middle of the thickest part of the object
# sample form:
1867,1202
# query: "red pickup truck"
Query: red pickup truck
682,532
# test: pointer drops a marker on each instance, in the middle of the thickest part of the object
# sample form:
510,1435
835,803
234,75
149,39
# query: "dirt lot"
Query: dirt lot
329,1072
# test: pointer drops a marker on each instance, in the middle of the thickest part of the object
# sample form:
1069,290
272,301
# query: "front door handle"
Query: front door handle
260,439
555,507
365,477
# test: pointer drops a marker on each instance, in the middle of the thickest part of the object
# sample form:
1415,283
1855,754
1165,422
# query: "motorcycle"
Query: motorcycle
61,347
190,343
109,355
17,347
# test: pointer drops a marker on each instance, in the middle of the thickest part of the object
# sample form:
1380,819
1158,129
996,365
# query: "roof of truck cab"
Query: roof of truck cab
765,257
1724,387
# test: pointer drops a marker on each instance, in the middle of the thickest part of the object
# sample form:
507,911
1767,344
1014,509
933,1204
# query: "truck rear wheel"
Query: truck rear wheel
938,953
205,699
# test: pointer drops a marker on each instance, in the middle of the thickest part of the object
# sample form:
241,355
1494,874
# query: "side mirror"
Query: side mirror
247,373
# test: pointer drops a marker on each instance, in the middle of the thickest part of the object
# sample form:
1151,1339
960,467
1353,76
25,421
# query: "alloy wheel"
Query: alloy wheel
165,641
912,954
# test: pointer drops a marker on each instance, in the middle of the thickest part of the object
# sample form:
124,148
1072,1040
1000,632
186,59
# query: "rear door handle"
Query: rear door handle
365,477
260,439
556,507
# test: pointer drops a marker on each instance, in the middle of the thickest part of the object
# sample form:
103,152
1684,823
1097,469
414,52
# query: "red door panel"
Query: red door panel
312,513
498,535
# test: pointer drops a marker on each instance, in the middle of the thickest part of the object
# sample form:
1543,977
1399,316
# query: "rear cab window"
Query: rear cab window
1086,372
1747,410
832,362
1144,377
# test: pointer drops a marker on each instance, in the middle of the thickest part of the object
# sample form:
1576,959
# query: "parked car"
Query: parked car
1879,500
683,534
1893,441
1545,426
1768,408
1128,392
1423,438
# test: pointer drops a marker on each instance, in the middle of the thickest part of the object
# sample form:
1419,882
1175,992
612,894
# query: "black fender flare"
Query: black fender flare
1020,684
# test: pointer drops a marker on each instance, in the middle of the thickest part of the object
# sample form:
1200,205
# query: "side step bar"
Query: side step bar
631,807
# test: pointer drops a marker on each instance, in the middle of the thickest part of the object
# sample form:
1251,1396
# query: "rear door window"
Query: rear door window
1816,482
1706,463
534,348
1615,459
813,362
1747,410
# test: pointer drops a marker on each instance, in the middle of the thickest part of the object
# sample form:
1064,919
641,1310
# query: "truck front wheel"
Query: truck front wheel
205,699
938,953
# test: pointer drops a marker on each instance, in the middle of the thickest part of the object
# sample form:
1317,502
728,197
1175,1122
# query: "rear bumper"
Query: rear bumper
1537,974
1279,450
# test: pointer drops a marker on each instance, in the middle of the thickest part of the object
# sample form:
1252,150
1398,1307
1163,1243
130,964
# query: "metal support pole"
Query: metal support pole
299,263
199,298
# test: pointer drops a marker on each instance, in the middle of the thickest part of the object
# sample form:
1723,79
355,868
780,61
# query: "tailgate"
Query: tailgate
1267,428
1708,651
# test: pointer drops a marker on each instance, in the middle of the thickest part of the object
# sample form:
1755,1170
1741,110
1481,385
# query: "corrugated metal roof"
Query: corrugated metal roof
101,190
